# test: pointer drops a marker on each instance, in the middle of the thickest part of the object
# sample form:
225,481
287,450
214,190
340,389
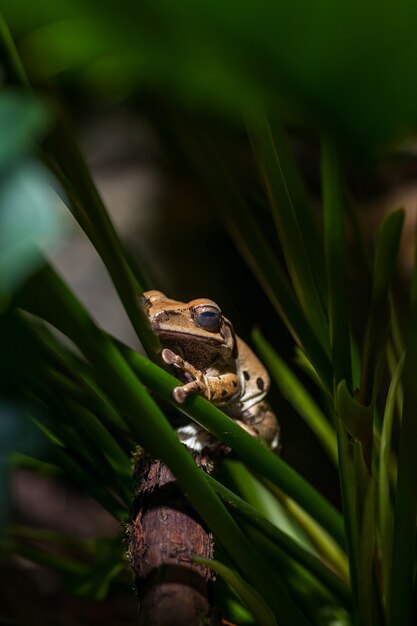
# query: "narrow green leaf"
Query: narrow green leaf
347,485
92,399
357,419
295,225
102,558
78,381
73,428
405,512
366,554
264,499
285,542
88,208
307,220
74,469
335,263
260,259
306,590
28,219
22,119
396,330
384,491
376,334
296,394
250,598
64,156
11,56
84,579
112,464
24,461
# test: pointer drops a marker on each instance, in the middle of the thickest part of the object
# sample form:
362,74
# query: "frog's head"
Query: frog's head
187,325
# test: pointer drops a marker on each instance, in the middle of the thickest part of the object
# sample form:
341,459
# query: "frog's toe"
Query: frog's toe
179,394
169,357
249,429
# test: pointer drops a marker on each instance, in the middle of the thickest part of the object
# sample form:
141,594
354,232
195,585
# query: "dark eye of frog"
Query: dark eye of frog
208,317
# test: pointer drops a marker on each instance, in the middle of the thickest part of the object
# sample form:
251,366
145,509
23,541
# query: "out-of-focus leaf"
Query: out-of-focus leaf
334,242
405,511
351,517
15,434
379,316
384,496
297,230
22,120
253,601
28,206
338,65
357,419
95,581
91,577
28,219
366,553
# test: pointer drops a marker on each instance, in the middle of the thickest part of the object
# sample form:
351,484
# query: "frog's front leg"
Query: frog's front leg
218,388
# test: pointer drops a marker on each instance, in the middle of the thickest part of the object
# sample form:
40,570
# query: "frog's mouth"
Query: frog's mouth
181,336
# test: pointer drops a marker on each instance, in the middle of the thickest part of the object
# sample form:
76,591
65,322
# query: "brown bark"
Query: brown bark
164,534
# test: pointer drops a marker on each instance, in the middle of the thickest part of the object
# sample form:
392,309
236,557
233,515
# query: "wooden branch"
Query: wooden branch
164,534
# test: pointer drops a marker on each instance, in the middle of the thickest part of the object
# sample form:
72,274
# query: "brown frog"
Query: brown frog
210,360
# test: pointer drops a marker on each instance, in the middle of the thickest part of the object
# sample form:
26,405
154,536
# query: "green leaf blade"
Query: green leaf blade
294,223
252,600
296,394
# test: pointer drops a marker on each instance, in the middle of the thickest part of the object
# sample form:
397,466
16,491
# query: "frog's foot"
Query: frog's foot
197,385
261,421
170,358
249,429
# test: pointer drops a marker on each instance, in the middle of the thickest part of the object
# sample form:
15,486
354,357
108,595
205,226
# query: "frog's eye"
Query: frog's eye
208,317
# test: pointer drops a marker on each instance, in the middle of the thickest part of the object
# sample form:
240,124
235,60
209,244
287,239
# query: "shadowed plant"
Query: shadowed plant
285,553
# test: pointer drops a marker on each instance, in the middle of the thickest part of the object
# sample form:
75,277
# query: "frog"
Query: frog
210,360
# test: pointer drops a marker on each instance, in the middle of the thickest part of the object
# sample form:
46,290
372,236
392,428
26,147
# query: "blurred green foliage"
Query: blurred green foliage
346,67
28,212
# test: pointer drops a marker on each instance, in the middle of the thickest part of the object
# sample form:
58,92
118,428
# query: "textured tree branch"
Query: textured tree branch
164,534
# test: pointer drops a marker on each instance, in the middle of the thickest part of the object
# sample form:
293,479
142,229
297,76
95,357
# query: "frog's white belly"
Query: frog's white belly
196,438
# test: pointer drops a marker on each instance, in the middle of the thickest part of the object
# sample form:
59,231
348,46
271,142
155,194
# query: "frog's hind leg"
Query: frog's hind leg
181,393
260,421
